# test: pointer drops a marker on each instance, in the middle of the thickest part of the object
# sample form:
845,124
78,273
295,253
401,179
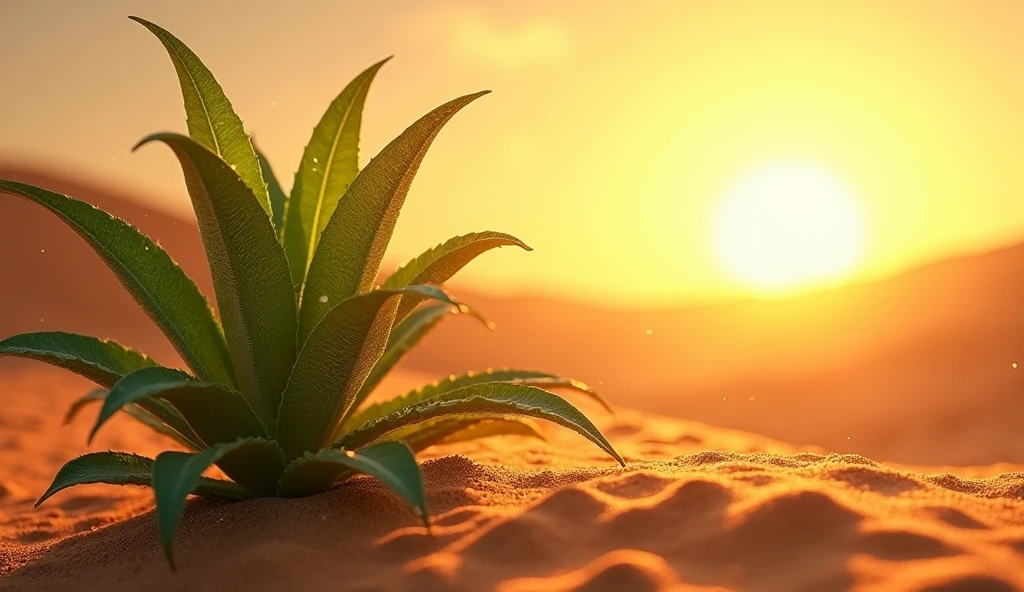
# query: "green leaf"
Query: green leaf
465,428
76,406
392,463
156,282
404,337
120,468
250,274
492,398
333,364
216,414
101,361
177,474
189,440
439,264
258,468
329,164
278,198
137,388
453,382
558,382
352,244
212,122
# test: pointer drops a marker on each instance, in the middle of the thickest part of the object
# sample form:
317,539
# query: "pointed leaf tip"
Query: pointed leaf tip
439,264
144,141
329,163
211,120
353,241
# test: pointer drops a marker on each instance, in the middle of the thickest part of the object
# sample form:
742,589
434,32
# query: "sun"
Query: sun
786,226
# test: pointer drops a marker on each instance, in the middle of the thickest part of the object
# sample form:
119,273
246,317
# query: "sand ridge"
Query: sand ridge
513,514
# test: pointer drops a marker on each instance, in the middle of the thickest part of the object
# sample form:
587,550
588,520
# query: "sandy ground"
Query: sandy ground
697,508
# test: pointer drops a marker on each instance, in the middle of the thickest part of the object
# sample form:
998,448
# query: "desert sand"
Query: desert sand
697,508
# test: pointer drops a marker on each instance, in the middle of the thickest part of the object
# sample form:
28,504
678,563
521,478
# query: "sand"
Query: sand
697,508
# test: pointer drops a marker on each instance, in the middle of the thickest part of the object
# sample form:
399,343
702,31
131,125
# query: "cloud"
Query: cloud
486,40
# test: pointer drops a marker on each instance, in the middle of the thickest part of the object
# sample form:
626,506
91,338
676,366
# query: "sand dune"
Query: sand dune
515,515
846,369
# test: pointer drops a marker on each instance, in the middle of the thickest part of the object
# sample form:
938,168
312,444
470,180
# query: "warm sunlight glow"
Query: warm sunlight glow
788,225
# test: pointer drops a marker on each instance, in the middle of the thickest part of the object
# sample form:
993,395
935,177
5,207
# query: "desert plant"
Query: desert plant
277,387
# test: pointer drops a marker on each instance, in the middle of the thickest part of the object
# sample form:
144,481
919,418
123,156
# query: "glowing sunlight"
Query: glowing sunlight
786,226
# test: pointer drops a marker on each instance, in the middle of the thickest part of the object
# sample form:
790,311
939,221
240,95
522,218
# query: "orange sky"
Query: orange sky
612,134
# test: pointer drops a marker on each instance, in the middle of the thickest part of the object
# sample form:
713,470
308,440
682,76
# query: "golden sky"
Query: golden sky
614,131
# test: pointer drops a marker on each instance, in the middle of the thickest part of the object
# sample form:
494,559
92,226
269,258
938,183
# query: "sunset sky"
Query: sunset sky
613,136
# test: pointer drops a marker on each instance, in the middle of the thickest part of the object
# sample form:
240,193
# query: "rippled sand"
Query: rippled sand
516,514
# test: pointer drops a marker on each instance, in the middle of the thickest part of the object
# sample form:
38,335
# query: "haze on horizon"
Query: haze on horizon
611,139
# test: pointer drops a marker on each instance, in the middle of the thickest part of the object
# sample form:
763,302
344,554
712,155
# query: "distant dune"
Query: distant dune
53,280
915,369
